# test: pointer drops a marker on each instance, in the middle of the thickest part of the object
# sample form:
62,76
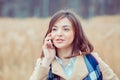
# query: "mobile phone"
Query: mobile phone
51,45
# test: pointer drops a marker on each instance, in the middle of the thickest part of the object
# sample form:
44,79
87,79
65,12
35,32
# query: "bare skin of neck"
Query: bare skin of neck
62,53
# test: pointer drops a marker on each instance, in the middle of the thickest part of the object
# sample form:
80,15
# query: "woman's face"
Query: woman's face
62,33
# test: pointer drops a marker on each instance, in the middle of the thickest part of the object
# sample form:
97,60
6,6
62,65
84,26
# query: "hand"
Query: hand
48,49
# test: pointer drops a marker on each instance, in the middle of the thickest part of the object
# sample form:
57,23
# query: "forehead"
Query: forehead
62,22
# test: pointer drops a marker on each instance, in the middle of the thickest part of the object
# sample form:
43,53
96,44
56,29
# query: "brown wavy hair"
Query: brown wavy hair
80,42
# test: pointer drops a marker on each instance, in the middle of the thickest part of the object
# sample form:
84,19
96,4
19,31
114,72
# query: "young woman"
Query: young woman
67,54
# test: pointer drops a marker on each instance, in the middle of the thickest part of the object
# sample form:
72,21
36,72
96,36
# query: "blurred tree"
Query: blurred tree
73,4
45,8
1,6
86,9
35,7
55,5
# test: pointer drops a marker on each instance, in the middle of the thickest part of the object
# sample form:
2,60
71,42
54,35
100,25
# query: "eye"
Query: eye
66,29
54,29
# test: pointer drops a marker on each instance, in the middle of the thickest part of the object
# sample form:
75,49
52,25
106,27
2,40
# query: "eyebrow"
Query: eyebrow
63,26
66,26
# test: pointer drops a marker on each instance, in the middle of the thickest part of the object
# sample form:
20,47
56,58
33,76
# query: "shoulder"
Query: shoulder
95,54
101,63
97,57
107,72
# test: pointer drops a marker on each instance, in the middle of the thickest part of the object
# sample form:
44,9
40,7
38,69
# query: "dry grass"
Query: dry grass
21,40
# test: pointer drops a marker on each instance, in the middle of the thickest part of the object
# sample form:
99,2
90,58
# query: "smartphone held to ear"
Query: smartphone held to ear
51,44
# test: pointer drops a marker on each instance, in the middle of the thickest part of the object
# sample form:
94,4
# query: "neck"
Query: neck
62,53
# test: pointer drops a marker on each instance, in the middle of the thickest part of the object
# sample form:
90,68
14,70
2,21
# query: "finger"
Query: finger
48,41
49,44
48,37
49,34
52,37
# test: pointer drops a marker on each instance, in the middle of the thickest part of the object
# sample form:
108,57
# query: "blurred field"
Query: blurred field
21,40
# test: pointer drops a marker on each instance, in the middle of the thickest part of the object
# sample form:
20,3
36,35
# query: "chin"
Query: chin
59,46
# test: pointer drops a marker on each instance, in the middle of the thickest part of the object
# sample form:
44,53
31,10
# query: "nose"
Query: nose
59,33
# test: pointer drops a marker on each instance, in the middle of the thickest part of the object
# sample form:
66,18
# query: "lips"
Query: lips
59,40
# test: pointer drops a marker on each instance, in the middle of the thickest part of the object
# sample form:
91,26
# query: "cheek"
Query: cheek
53,35
70,36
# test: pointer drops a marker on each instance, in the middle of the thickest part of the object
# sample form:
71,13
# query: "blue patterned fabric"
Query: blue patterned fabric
52,76
92,66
